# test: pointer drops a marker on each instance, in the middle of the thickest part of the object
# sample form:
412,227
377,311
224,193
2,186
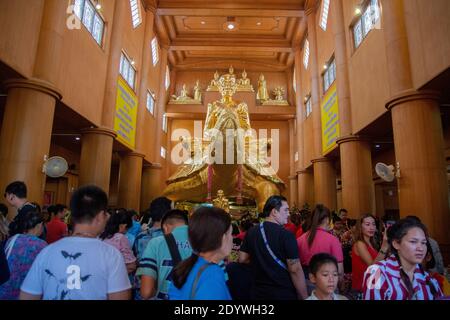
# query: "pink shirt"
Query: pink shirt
323,242
120,242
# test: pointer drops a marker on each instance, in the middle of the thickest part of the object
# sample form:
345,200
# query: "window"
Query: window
306,54
150,102
163,152
324,16
91,19
155,51
366,22
135,13
329,75
167,77
127,70
308,106
164,123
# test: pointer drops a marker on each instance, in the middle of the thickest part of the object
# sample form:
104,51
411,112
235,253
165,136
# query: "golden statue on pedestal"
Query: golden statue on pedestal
249,176
183,98
213,86
278,92
262,94
221,201
244,83
197,92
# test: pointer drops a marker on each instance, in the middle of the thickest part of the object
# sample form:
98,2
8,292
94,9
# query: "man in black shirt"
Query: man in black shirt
16,195
272,253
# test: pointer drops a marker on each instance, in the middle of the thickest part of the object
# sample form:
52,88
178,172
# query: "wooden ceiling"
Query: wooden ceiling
267,31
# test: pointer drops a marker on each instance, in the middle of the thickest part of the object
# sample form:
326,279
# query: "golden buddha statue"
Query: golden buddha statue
262,94
244,83
197,92
183,98
221,201
213,85
252,178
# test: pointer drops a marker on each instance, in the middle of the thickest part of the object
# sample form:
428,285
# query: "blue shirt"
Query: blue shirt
211,284
157,261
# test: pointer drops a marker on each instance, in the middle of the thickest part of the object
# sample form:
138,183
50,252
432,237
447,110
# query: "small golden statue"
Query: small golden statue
221,201
263,94
213,86
244,83
183,98
278,92
197,92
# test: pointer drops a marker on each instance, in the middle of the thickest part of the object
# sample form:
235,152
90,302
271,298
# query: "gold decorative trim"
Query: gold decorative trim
351,138
34,84
412,95
100,130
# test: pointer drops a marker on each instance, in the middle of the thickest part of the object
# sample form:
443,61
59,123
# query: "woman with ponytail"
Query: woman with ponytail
21,250
401,276
199,277
319,240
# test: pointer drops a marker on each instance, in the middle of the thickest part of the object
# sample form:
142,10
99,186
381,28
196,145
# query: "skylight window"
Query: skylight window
155,51
324,16
306,54
135,13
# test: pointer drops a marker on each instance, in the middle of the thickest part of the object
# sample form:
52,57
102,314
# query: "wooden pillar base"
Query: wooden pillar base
305,188
358,193
26,134
96,154
419,149
325,183
293,191
130,174
151,184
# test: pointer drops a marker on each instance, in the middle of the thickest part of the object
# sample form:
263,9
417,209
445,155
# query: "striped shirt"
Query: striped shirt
382,281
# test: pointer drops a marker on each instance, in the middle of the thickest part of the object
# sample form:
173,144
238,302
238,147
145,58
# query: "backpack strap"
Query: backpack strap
174,253
197,279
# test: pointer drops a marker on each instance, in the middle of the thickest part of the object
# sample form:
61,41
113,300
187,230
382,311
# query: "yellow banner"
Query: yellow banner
126,114
330,120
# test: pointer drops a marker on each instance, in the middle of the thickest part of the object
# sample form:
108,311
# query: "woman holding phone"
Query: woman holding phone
365,250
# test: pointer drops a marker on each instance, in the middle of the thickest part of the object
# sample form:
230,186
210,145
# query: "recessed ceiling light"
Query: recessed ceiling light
98,6
202,22
377,146
133,62
258,23
358,11
77,138
325,67
230,26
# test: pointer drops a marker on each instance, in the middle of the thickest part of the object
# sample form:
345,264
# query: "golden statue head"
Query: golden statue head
220,193
227,85
244,75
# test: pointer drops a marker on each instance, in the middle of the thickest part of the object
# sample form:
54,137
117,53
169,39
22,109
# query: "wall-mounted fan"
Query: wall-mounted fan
387,172
55,167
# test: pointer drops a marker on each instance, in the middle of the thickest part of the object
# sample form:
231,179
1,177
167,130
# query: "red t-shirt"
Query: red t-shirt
291,227
56,229
359,267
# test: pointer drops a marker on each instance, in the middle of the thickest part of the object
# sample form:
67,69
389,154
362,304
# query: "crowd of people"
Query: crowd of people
92,252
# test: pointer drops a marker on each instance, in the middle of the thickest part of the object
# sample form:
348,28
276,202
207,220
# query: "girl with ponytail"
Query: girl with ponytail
401,276
199,277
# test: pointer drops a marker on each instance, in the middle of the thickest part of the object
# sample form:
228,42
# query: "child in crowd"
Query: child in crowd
323,269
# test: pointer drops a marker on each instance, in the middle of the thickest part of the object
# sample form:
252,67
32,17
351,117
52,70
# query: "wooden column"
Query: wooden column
324,172
418,135
95,160
161,102
97,145
26,133
358,194
130,174
305,188
30,106
151,184
325,183
292,165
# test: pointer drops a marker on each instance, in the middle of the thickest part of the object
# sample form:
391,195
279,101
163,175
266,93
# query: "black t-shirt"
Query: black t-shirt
271,281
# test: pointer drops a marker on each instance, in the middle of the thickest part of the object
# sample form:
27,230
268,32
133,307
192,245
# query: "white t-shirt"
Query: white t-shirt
76,268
